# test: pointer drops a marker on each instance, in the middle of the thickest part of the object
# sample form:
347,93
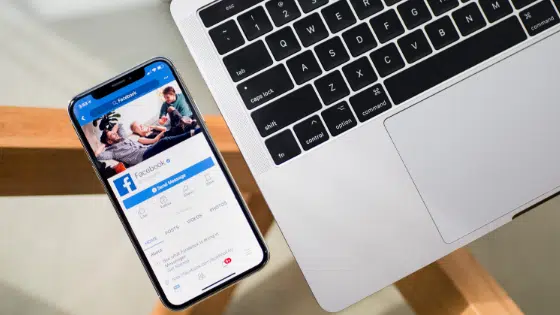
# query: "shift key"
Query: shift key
539,17
286,110
247,61
265,86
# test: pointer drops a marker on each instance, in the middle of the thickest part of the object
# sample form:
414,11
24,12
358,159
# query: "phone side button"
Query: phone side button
283,147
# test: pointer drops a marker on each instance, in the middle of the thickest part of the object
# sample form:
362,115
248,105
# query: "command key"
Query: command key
539,17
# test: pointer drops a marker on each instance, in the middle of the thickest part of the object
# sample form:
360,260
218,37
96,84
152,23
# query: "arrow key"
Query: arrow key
311,133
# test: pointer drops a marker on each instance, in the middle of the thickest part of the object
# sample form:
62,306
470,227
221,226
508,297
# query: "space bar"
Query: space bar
447,64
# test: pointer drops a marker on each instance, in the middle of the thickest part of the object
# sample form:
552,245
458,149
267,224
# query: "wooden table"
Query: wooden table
456,284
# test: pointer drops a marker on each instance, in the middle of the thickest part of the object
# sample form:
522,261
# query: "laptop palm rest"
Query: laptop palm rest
487,146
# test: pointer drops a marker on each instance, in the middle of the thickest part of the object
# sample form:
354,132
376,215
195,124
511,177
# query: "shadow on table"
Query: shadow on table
286,292
13,301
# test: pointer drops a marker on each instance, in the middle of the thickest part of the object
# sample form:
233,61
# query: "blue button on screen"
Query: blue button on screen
168,183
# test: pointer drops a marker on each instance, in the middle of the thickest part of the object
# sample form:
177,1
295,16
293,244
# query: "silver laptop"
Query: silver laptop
385,134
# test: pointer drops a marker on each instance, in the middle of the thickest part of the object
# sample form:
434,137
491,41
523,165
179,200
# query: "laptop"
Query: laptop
385,134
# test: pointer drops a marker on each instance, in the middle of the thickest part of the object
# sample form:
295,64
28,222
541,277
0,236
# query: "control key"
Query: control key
311,133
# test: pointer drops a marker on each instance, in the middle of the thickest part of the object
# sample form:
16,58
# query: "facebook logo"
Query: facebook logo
125,185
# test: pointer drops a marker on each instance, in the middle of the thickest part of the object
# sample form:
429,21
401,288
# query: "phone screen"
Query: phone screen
190,227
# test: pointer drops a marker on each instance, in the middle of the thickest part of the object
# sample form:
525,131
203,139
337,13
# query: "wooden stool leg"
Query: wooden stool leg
456,284
217,304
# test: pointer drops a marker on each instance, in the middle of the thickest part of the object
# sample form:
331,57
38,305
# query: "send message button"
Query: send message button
168,183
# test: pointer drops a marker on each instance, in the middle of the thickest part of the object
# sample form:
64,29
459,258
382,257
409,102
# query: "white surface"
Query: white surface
348,209
45,60
70,255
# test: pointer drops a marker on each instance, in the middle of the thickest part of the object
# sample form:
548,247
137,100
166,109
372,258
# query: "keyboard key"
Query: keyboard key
366,8
283,11
519,4
255,23
304,67
370,103
332,87
283,43
339,16
454,60
310,5
539,17
414,46
283,147
265,86
286,110
359,74
223,10
359,39
469,19
339,118
311,30
414,13
442,32
495,9
439,7
387,60
226,37
311,133
392,2
387,26
332,53
247,61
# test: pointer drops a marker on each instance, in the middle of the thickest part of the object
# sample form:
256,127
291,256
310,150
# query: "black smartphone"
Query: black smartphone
168,183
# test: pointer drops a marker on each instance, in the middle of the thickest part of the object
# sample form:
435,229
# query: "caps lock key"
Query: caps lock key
265,86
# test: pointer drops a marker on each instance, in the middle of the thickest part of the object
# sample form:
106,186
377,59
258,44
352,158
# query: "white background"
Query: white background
69,255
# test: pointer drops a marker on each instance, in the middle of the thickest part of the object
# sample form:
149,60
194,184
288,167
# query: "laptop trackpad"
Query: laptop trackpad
488,145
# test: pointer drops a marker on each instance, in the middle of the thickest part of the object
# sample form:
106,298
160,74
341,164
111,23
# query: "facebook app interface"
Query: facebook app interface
148,144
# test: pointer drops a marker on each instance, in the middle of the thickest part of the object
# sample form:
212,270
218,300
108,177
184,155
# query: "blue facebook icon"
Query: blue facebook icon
125,185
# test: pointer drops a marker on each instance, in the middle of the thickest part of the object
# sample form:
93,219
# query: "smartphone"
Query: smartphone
168,183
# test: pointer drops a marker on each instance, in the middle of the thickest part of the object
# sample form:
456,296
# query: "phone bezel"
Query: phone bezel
120,211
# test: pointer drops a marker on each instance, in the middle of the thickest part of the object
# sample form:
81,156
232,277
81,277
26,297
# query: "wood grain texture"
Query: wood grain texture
46,128
456,284
40,152
41,155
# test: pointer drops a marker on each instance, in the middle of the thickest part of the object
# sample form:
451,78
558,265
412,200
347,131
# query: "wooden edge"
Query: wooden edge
40,154
477,286
456,284
47,128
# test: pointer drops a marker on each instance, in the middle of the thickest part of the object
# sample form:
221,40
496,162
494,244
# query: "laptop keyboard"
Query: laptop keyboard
310,70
